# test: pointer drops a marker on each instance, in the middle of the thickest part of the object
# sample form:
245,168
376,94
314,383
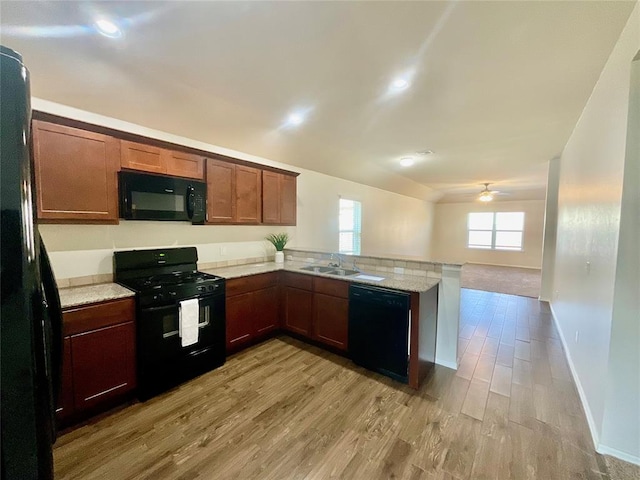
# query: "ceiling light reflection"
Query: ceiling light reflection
108,28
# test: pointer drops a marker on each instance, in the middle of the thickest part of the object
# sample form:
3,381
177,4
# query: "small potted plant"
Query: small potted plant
278,240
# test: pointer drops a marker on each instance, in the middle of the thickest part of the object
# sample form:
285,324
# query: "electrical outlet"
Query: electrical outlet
223,251
577,336
588,267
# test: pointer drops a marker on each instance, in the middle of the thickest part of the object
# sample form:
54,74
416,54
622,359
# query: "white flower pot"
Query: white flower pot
279,257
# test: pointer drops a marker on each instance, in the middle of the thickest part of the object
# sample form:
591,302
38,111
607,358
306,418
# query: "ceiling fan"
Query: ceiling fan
487,195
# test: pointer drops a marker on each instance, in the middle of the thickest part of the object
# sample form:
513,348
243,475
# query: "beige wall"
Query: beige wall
392,224
590,203
450,233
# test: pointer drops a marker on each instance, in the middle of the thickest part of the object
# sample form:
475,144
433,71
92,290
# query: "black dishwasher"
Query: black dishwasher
379,330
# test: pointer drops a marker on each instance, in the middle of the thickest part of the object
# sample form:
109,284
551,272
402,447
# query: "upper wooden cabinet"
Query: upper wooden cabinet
233,193
148,158
278,198
248,194
186,165
76,174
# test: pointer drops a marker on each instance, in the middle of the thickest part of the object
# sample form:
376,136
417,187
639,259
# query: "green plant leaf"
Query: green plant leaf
278,240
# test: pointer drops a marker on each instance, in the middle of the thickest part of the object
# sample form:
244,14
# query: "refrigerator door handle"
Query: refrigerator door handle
53,314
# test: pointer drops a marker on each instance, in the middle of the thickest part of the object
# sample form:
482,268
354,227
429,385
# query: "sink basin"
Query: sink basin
318,269
343,272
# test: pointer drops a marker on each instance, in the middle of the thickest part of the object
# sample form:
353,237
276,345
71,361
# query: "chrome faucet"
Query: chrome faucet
332,261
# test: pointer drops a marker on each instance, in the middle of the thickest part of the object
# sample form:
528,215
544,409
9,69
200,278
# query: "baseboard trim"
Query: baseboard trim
604,450
583,398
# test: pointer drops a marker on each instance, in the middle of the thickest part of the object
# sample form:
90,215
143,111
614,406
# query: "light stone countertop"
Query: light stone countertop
86,294
409,283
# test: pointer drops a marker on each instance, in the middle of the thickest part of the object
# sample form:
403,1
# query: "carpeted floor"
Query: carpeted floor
620,470
511,280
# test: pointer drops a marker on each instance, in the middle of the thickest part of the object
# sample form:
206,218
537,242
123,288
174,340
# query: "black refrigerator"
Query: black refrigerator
31,318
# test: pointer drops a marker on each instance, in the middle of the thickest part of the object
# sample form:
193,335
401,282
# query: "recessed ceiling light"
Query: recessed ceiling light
407,161
295,119
108,28
399,84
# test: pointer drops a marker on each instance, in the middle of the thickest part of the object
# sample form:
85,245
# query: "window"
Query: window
349,220
496,231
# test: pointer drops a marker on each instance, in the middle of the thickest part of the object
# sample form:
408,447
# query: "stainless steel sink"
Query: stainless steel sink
318,269
343,272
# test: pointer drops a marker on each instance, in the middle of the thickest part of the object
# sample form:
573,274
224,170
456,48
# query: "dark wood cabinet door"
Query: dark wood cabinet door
288,200
146,158
240,312
248,194
270,197
266,308
103,364
76,174
298,306
220,191
331,320
185,165
65,398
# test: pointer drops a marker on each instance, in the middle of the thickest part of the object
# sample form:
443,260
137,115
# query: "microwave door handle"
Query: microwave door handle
190,201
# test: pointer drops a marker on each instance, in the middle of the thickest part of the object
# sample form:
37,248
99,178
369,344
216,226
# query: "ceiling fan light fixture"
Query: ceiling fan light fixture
485,197
407,161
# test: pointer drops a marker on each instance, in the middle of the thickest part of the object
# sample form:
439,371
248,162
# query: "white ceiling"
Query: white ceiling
496,87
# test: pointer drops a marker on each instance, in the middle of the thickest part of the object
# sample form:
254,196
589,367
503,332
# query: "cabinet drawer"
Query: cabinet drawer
297,280
237,286
328,286
91,317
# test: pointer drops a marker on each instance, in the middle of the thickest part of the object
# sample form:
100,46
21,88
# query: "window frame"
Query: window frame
356,243
494,230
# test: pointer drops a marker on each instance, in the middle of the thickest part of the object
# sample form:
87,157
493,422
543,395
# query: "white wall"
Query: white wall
450,233
550,230
589,213
392,224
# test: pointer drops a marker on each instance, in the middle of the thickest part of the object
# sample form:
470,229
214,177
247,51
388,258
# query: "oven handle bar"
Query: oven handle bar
175,332
174,305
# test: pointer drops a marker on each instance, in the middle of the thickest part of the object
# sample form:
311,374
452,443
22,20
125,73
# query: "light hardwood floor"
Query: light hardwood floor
286,410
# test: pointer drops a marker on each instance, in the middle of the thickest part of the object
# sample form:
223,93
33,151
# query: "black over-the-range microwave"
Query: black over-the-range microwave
159,197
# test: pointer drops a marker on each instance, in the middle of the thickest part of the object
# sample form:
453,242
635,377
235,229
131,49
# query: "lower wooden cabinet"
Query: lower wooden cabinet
267,315
98,358
240,311
65,398
103,364
331,320
298,305
317,308
253,309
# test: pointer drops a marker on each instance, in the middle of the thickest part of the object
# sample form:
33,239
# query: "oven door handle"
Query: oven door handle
177,304
176,332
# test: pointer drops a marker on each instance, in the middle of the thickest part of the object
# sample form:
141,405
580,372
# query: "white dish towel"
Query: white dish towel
188,321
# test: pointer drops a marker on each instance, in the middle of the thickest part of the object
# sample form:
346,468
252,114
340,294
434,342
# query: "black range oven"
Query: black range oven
164,279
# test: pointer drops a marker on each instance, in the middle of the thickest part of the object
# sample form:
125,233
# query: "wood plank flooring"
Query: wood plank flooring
286,410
